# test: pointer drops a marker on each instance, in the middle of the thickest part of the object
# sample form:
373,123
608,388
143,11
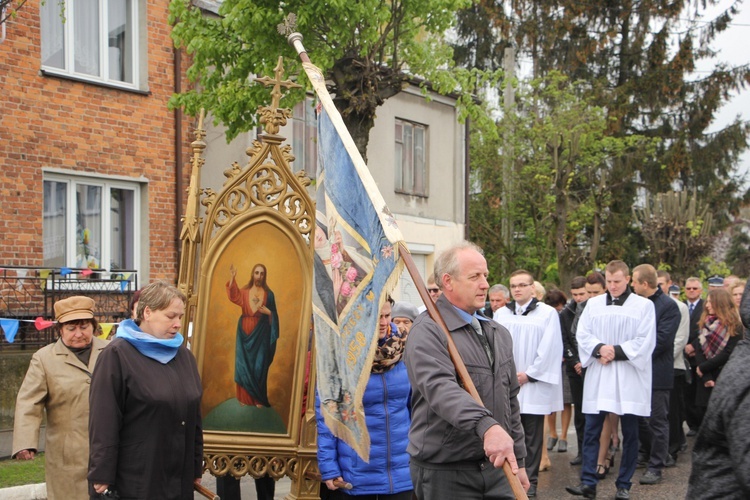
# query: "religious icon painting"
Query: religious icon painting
252,319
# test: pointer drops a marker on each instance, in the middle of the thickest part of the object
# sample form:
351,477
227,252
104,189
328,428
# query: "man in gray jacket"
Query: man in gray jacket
458,446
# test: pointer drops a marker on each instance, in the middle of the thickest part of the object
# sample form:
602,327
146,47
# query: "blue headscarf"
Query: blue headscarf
161,350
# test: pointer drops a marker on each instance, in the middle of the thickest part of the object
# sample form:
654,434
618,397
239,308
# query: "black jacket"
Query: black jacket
720,458
145,430
694,330
745,308
570,345
667,321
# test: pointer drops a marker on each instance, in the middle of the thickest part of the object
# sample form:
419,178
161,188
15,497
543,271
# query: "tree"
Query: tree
738,257
9,8
562,158
677,230
638,56
368,49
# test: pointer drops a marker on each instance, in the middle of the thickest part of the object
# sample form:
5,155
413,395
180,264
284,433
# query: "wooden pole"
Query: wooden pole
205,492
463,373
295,40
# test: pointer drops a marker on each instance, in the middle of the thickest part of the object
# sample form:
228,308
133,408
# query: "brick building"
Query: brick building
93,166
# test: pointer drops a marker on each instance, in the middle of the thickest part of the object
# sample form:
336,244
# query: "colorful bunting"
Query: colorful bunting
44,274
41,323
64,271
106,329
10,328
87,272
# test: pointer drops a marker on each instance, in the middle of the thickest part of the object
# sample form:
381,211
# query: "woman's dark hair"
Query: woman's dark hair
134,300
75,322
555,298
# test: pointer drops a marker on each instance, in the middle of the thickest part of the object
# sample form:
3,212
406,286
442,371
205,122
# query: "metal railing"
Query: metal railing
28,293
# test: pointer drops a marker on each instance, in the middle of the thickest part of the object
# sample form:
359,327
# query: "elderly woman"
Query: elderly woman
58,381
145,427
403,315
386,403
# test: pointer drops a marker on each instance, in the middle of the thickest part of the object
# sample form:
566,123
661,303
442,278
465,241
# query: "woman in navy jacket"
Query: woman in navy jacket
386,407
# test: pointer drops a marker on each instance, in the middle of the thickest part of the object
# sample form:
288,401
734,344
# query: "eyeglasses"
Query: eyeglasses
520,285
691,288
433,290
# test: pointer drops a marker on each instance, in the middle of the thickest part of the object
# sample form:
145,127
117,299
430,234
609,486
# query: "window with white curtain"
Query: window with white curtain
411,158
91,39
90,222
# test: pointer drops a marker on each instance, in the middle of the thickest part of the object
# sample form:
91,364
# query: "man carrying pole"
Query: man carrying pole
456,444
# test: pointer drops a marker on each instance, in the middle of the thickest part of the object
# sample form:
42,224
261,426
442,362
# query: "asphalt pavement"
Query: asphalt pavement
552,482
551,485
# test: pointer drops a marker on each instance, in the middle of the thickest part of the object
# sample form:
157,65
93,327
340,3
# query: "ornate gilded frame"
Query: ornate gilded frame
264,209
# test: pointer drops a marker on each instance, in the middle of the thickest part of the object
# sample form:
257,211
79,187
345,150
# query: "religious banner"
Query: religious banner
356,264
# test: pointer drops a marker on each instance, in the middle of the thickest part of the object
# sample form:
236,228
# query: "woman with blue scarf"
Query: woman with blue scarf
146,439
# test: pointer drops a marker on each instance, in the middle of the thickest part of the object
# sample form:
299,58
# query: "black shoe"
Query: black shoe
622,494
532,491
683,446
551,442
692,432
582,490
578,460
671,461
650,477
601,471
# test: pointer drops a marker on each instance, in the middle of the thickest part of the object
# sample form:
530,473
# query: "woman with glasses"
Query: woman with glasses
57,383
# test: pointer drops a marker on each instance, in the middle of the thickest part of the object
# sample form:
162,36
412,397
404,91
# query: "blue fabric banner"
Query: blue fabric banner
356,264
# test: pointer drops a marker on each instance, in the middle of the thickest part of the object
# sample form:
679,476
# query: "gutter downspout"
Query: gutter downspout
178,158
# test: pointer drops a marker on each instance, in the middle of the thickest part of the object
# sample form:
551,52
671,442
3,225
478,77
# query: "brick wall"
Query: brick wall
55,122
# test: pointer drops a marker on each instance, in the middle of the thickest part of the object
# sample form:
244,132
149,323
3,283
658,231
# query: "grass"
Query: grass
18,472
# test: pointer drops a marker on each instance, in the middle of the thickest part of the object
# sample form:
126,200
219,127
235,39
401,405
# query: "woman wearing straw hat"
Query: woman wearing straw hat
58,382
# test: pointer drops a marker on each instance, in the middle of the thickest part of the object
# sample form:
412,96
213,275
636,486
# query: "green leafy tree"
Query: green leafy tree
638,56
562,159
677,230
368,50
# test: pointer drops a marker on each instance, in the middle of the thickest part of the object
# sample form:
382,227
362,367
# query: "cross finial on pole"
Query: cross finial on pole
277,83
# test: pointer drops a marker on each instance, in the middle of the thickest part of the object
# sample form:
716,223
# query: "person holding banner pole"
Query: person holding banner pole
458,446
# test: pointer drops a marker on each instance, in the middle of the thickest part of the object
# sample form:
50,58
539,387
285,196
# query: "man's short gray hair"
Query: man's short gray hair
447,262
499,289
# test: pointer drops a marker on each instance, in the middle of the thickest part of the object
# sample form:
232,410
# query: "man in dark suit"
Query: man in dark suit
693,291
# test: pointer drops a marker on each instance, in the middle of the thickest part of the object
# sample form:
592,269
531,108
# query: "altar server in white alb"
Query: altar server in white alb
616,336
537,352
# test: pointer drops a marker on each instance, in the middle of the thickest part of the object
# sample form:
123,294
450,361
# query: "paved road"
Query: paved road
552,482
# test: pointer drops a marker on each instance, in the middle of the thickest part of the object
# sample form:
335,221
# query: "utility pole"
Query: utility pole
506,230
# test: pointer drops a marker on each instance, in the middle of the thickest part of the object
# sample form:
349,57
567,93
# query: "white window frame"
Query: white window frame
106,185
66,8
407,186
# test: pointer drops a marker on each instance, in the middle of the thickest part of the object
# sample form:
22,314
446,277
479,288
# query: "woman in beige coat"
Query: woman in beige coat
58,381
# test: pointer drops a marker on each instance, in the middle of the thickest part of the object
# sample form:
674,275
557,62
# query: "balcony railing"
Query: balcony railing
28,293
